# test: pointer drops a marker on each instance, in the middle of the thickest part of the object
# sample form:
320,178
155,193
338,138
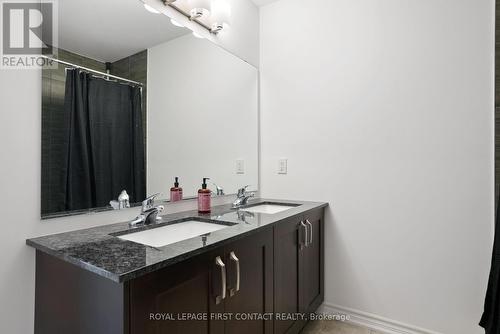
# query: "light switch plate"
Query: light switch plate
240,166
282,166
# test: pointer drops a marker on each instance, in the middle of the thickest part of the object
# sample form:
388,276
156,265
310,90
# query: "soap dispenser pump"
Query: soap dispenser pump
204,197
176,191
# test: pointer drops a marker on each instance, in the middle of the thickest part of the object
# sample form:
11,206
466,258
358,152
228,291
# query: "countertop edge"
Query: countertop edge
127,276
69,259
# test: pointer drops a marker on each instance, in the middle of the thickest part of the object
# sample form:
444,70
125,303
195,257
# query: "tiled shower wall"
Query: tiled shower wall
133,67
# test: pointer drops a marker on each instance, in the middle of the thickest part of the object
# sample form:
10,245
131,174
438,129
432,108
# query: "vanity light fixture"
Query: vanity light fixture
213,15
200,8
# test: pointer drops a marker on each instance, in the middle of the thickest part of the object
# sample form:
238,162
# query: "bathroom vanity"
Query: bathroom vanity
258,273
162,107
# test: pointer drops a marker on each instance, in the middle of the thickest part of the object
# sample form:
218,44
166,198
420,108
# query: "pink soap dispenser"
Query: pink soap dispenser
204,197
176,191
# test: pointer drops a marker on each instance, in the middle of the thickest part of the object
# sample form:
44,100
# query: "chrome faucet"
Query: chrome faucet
149,212
220,190
242,197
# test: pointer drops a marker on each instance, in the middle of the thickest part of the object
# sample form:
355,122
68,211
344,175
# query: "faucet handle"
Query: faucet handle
148,202
242,191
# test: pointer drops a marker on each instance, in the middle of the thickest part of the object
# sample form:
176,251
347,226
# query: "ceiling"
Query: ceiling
263,2
111,30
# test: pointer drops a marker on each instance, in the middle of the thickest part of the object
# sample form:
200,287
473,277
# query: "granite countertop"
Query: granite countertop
99,249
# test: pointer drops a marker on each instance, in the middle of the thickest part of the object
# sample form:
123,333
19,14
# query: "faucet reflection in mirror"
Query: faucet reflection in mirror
219,191
123,201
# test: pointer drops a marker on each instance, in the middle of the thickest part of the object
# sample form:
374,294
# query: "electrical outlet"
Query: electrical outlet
240,166
282,166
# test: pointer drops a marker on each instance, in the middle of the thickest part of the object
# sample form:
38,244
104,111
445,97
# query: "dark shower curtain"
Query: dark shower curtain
490,320
105,149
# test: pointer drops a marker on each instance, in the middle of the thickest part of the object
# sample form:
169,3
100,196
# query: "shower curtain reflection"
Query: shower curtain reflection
104,149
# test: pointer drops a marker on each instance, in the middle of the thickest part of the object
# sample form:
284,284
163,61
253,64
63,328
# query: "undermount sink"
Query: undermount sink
172,233
269,208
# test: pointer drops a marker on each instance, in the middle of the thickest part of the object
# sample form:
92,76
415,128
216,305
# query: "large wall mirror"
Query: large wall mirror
136,101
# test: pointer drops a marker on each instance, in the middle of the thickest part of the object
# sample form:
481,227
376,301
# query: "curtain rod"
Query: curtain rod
93,71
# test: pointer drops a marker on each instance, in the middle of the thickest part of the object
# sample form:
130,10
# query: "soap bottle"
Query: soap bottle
176,191
204,197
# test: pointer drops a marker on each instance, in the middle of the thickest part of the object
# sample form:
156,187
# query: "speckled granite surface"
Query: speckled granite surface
99,249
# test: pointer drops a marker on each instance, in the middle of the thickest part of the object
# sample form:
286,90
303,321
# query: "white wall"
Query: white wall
20,122
385,110
202,117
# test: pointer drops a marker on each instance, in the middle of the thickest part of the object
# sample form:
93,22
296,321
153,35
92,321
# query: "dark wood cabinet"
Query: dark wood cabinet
298,258
311,269
69,299
255,295
188,297
160,301
258,284
286,274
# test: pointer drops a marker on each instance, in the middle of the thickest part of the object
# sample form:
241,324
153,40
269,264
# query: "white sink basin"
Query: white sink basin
166,235
268,208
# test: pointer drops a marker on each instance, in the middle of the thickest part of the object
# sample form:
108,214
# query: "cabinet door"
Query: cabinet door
288,242
158,300
311,283
254,256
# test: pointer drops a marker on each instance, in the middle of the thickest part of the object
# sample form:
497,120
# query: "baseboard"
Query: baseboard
372,321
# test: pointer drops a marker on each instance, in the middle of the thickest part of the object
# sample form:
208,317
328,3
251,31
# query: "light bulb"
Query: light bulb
199,8
151,9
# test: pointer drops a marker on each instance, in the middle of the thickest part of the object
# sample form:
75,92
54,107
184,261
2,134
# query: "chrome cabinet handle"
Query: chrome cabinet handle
234,258
311,232
305,235
218,262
